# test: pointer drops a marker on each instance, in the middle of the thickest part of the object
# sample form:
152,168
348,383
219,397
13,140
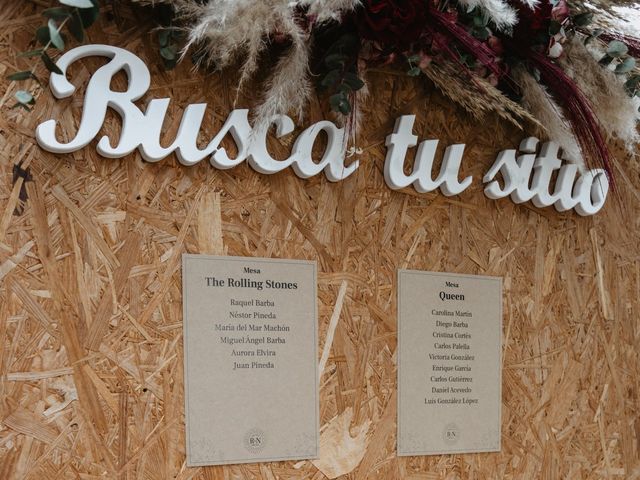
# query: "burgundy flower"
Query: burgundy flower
396,23
495,44
560,12
533,22
533,30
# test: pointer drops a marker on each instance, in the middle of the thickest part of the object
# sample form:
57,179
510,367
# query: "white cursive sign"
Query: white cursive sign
526,177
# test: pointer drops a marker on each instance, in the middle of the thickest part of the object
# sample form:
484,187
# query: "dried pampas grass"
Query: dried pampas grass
530,3
537,100
289,87
617,113
325,10
499,12
228,31
476,96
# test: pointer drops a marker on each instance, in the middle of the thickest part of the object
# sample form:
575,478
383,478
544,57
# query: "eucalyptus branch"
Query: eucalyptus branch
76,15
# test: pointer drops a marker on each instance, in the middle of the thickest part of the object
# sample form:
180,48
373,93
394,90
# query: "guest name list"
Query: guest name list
250,359
449,363
253,331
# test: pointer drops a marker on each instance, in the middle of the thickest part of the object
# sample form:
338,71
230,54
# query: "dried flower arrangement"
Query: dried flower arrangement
525,60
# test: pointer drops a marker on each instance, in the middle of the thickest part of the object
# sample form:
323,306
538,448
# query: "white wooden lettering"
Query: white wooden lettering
528,178
400,141
142,130
332,161
526,175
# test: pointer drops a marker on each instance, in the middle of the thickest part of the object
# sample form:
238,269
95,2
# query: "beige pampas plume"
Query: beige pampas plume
617,113
537,100
289,86
530,3
501,13
227,31
325,10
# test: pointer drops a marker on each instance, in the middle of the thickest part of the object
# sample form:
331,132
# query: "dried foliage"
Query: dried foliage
468,48
478,97
97,248
605,89
226,31
322,11
536,99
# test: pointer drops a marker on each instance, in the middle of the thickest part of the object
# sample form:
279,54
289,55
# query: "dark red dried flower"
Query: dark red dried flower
397,23
495,44
533,22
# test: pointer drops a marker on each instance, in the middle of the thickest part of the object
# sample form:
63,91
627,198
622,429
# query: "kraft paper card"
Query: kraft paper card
251,379
449,363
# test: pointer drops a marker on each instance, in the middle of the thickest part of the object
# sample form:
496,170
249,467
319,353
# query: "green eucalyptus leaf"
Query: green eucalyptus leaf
554,27
467,59
22,105
330,78
345,107
24,97
626,66
340,103
42,34
617,49
348,41
354,82
595,34
336,60
89,15
31,53
415,58
632,85
170,64
414,72
75,26
56,38
169,53
20,75
583,19
50,64
58,13
481,19
334,100
633,81
606,60
481,33
163,37
78,3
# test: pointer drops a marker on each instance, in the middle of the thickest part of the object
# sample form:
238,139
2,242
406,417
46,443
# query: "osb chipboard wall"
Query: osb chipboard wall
91,382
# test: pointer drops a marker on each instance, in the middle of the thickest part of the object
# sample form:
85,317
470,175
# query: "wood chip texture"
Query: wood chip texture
91,374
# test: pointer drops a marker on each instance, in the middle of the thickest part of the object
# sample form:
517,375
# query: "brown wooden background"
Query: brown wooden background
91,382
